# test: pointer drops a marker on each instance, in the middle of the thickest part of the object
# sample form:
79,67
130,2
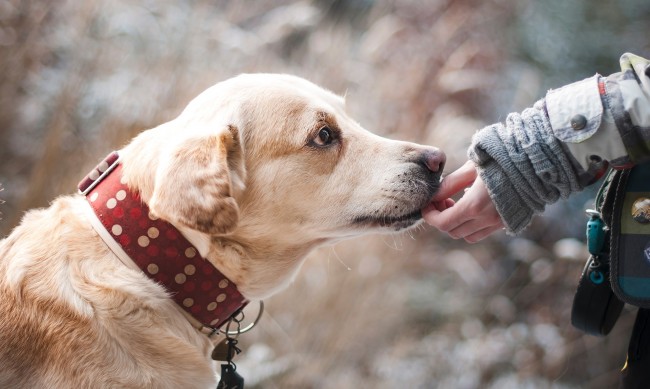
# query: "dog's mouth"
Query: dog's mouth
387,221
404,213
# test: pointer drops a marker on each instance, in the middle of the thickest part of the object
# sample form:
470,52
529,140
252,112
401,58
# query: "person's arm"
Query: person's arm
549,151
617,113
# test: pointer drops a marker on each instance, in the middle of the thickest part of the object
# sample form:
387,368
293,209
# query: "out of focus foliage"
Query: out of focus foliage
80,78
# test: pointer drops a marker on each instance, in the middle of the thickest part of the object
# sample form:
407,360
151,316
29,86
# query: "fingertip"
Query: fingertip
440,205
430,214
432,206
473,239
440,195
456,181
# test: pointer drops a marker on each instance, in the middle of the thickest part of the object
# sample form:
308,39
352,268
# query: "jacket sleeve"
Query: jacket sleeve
615,112
564,141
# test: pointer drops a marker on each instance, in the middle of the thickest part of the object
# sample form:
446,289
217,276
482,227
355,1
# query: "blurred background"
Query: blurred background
417,310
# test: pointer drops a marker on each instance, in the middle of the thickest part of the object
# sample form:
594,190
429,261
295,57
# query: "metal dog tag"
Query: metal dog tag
221,351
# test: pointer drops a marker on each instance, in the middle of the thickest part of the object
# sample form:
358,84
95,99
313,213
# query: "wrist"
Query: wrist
515,213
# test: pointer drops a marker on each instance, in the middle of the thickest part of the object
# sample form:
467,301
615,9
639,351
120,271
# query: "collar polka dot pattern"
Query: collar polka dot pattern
163,254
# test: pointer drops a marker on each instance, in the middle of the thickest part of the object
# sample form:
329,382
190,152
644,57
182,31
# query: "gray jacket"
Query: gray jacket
565,141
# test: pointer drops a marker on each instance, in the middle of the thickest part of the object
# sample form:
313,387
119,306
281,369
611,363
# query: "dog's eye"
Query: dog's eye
325,137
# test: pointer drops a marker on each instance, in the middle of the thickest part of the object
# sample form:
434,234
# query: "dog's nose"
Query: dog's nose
434,159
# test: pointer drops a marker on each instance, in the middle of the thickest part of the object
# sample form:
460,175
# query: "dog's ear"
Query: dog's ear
194,183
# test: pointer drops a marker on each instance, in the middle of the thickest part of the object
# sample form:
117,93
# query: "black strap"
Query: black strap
636,373
605,197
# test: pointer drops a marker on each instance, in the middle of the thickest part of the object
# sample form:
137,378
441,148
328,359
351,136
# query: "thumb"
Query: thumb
456,181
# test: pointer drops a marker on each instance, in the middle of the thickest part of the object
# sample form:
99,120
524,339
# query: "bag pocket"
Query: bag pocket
630,237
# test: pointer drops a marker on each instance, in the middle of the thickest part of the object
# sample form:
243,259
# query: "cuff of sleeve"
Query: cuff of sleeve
576,110
514,212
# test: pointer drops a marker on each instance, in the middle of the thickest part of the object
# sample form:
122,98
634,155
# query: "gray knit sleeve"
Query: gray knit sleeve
524,166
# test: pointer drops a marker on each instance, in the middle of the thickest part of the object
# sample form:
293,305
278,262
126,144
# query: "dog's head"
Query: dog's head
274,163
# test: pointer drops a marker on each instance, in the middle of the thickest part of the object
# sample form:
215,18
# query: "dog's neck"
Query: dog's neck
173,258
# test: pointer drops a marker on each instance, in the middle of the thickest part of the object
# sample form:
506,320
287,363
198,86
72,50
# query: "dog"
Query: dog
255,172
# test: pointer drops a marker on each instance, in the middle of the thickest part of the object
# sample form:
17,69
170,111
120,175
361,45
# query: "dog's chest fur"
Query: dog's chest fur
68,305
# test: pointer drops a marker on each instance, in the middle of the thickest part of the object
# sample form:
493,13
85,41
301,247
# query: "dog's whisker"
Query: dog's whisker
410,234
393,246
340,260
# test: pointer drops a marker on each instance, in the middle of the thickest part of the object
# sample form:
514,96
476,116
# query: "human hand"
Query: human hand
473,217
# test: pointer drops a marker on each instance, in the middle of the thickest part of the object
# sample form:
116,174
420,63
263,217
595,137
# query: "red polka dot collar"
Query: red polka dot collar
158,248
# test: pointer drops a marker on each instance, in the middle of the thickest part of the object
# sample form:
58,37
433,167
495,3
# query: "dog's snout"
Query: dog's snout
434,159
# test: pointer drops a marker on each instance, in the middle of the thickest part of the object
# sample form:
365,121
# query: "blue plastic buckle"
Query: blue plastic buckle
595,232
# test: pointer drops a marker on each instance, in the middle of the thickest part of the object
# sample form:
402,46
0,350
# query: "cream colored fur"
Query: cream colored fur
240,172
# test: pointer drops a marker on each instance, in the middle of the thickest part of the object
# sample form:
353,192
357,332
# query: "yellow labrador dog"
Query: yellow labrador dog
254,173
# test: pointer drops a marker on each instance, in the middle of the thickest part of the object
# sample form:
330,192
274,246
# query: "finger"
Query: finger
484,218
446,220
476,223
465,229
482,234
456,181
441,205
